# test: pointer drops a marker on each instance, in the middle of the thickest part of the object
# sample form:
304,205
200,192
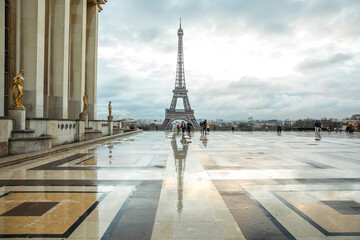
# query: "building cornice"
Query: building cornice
98,3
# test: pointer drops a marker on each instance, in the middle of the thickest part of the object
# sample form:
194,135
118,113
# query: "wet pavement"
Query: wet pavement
161,185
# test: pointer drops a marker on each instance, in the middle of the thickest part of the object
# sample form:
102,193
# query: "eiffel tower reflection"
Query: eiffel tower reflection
180,161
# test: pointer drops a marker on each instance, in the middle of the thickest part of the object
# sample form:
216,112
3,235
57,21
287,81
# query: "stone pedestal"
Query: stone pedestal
18,114
80,136
84,116
29,144
110,118
111,127
23,140
27,133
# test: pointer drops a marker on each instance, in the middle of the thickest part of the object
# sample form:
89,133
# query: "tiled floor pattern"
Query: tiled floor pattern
160,185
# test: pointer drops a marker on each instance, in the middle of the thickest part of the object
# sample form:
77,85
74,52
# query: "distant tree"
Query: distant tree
245,126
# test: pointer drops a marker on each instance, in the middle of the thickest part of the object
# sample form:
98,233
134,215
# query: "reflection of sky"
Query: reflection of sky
286,59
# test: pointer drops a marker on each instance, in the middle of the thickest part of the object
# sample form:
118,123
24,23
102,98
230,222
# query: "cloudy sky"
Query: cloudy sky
267,59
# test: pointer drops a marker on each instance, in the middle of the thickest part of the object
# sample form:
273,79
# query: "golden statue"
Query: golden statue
85,97
110,108
18,84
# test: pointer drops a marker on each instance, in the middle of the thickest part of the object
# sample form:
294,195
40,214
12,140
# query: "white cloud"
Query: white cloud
283,59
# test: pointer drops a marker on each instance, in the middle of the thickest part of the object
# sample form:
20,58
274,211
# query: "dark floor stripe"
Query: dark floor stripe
276,222
252,218
70,229
52,165
117,217
136,218
84,216
244,182
30,182
78,163
312,222
56,165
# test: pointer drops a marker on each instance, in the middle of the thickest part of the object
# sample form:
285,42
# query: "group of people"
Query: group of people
187,127
350,128
204,127
184,127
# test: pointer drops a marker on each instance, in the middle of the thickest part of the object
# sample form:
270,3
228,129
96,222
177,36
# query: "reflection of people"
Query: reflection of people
204,140
85,97
110,108
18,84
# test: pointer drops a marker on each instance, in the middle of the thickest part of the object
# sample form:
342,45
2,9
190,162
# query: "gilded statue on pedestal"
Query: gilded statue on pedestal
85,97
110,108
18,84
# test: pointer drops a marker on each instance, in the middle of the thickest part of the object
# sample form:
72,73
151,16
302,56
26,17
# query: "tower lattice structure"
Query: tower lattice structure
180,91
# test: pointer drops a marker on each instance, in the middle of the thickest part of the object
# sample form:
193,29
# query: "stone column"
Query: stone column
14,41
16,15
91,57
32,55
58,60
2,56
77,56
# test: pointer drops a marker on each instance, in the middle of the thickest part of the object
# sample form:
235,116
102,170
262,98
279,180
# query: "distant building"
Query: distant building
355,117
287,123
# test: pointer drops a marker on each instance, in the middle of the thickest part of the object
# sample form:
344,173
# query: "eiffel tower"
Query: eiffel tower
180,91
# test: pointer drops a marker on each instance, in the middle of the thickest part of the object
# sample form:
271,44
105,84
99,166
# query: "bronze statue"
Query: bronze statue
18,84
110,108
85,97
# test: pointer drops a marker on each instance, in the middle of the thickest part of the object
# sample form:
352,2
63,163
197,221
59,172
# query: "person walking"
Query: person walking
188,128
317,126
204,126
178,128
208,128
183,127
351,129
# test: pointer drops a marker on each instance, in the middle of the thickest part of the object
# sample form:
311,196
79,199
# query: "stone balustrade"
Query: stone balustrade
56,131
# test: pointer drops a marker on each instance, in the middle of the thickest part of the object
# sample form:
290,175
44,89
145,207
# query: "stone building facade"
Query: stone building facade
55,42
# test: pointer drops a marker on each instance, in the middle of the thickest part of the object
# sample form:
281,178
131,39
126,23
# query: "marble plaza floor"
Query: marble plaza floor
161,185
